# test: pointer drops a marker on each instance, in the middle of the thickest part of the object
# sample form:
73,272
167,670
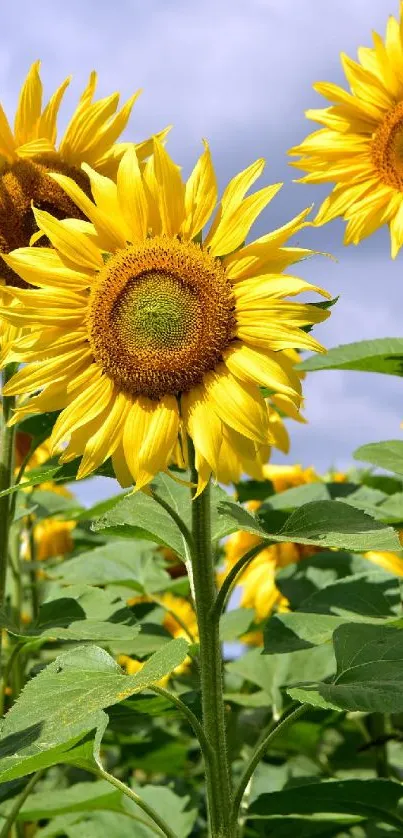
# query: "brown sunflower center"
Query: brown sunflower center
387,148
160,317
22,183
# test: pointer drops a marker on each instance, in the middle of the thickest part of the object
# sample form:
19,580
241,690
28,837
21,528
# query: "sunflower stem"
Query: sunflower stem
6,479
211,664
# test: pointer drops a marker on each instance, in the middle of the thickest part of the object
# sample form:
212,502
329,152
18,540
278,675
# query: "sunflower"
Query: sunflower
360,147
29,152
141,333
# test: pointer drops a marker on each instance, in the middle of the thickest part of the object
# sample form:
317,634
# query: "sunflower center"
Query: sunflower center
22,183
387,148
160,317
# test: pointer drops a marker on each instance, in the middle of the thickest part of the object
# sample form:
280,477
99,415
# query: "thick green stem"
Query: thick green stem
6,479
211,665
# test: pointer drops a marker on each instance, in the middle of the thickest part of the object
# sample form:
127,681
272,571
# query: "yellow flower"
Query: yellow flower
183,610
141,333
389,561
287,477
359,147
53,538
30,151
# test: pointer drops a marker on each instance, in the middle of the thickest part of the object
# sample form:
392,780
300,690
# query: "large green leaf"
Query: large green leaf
85,613
384,355
140,516
321,523
62,704
298,581
388,454
134,565
375,799
369,670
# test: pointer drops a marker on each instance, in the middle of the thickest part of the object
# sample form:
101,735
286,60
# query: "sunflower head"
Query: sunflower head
143,333
360,146
29,151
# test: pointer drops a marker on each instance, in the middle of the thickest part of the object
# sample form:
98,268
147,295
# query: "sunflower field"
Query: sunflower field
215,649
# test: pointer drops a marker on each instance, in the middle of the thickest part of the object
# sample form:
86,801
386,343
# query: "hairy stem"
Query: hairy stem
211,664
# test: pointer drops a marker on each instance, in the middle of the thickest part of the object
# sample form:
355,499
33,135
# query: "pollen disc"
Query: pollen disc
387,149
22,184
160,316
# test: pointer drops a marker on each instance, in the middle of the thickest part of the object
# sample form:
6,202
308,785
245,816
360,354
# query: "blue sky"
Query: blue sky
239,73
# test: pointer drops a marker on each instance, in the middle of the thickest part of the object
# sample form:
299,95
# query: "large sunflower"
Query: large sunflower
360,148
29,152
141,333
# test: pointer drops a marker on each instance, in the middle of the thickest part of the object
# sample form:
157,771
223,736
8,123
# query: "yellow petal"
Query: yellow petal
269,369
203,425
171,191
48,121
85,126
131,196
87,405
120,467
234,226
238,404
276,337
107,135
75,246
200,195
273,286
105,441
396,231
43,267
110,234
34,376
35,147
250,260
7,142
29,107
159,440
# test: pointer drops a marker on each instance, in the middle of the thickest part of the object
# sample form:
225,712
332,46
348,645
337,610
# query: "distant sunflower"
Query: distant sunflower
141,333
29,152
360,149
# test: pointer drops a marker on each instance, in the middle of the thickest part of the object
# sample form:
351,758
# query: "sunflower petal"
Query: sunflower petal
75,246
171,191
200,195
48,121
131,196
104,442
238,404
29,107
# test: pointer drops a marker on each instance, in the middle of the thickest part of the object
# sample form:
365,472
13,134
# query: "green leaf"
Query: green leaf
384,356
298,581
235,623
369,669
35,476
62,704
334,524
87,614
39,424
134,565
377,800
140,516
50,503
388,454
292,631
321,523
